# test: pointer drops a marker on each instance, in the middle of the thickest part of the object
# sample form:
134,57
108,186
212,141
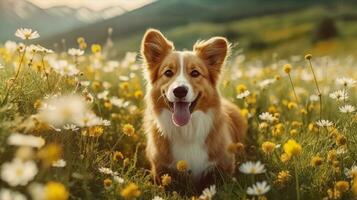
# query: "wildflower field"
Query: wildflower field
70,127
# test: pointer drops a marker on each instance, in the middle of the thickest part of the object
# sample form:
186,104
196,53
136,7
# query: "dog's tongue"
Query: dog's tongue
181,115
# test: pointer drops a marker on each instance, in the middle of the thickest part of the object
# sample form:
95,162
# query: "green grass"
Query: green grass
84,155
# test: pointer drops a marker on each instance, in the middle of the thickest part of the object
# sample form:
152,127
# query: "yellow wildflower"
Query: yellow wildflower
108,105
96,48
284,157
292,148
49,154
118,156
342,186
128,129
166,180
268,147
272,109
292,105
312,127
241,88
278,130
138,94
244,112
283,177
182,165
124,86
308,56
129,191
293,132
55,191
331,155
287,68
316,161
95,131
341,140
107,183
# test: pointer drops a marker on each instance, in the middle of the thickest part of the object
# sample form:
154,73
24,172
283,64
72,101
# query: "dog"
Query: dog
185,117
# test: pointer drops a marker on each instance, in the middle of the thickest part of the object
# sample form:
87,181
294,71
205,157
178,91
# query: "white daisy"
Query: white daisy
10,46
252,168
103,95
266,116
265,83
18,139
64,68
347,109
157,198
26,34
1,66
75,52
346,82
208,193
339,95
258,189
18,172
42,49
6,194
88,119
352,172
119,102
106,170
324,123
59,163
314,97
36,191
105,122
71,127
58,111
34,48
243,95
118,179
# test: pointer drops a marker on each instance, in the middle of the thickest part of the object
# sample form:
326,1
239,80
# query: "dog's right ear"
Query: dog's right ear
154,47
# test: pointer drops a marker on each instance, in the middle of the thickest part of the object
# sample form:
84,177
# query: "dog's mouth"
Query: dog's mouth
182,110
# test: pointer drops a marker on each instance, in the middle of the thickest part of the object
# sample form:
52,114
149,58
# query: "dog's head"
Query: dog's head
183,81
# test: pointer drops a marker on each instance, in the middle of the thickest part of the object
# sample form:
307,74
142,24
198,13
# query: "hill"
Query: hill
168,14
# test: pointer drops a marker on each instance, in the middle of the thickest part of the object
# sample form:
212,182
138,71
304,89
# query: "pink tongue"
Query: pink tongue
181,115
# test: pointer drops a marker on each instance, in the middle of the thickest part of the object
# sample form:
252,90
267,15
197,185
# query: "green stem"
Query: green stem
44,70
297,182
317,87
16,75
292,85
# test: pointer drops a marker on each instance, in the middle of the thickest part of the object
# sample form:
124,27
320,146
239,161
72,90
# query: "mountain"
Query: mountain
167,14
16,14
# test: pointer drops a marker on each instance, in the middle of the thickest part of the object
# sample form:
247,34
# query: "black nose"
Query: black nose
180,92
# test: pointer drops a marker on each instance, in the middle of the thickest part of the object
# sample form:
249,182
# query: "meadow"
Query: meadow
70,127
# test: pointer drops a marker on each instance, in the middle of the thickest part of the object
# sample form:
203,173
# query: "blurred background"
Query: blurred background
256,27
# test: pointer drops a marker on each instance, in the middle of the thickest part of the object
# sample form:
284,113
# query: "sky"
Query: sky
94,5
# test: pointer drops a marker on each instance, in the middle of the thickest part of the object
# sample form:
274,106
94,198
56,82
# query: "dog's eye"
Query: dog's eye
169,73
195,73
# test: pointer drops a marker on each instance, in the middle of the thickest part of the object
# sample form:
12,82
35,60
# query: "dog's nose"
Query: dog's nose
180,92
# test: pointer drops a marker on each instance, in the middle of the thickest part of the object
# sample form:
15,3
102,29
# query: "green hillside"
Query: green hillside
169,14
287,32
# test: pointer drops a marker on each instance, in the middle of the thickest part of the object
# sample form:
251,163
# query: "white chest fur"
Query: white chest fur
188,142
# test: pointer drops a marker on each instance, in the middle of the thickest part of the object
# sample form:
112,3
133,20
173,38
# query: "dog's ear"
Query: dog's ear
154,47
213,52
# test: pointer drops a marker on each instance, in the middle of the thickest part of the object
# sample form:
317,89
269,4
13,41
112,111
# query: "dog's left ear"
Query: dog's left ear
213,52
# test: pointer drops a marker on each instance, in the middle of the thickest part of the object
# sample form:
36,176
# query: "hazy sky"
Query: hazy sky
92,4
